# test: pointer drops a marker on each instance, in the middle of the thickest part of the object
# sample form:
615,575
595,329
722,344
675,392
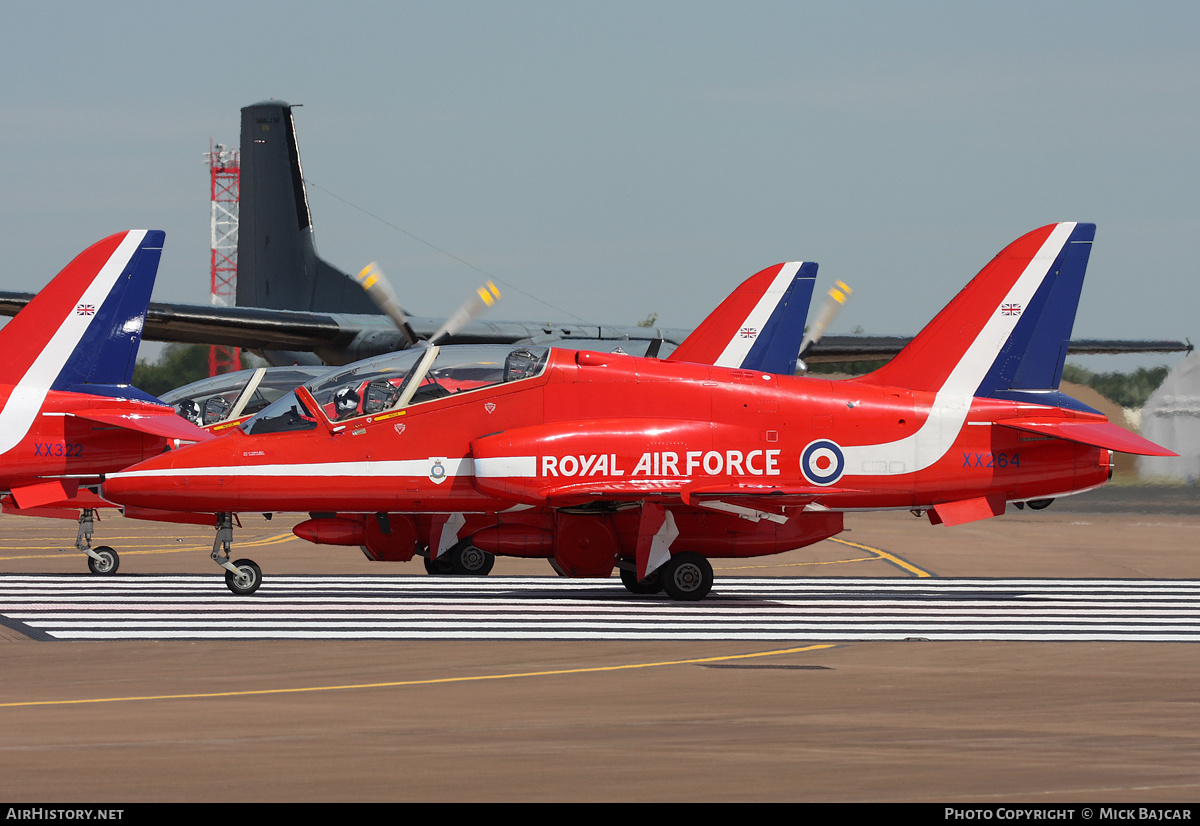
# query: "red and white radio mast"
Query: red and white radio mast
225,186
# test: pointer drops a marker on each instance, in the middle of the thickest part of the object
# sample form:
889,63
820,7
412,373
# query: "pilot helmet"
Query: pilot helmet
345,400
190,410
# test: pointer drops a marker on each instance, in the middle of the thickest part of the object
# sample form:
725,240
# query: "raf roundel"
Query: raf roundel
822,462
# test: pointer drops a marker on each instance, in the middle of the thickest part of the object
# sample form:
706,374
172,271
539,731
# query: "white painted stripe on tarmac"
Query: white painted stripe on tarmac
411,607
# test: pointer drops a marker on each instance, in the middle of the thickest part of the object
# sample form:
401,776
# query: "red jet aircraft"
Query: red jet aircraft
67,411
599,460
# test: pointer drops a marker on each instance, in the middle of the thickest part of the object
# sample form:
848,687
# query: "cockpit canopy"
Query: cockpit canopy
399,380
234,395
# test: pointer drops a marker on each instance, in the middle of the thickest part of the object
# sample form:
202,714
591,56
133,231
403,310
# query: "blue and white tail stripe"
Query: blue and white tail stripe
983,353
768,340
106,352
1029,367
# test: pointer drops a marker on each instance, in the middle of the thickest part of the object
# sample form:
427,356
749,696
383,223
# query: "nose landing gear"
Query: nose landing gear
102,560
243,576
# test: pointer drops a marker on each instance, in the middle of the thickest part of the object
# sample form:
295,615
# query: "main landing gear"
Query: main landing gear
686,576
102,560
461,559
243,576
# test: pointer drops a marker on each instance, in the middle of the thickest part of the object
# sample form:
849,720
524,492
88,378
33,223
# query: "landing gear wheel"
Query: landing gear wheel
650,585
107,563
467,560
687,576
1039,504
246,580
442,566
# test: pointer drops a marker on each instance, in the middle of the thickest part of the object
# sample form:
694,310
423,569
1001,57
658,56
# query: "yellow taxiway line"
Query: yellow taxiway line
877,555
892,558
434,681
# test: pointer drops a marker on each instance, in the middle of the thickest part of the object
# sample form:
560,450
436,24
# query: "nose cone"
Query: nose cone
193,478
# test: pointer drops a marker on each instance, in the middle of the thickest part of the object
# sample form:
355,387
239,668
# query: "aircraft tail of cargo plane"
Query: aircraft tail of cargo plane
278,264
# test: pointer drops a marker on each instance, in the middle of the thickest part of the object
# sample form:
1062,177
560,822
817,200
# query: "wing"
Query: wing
1098,434
162,422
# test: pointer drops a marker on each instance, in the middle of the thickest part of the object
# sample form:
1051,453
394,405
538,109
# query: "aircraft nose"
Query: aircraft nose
153,483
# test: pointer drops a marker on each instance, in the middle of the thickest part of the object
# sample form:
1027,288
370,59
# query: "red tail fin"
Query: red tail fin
1006,331
759,326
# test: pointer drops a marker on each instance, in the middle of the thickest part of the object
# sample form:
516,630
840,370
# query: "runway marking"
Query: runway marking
431,681
791,609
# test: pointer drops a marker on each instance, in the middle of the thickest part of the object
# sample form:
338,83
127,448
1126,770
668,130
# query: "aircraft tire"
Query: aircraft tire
247,579
467,560
108,562
652,584
687,576
1039,504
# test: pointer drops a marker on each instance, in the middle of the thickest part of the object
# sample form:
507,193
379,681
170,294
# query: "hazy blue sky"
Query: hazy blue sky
617,159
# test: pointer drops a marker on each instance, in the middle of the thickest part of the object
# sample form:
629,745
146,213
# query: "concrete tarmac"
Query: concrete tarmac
990,723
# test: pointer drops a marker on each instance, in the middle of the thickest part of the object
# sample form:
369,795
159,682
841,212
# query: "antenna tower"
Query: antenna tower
225,188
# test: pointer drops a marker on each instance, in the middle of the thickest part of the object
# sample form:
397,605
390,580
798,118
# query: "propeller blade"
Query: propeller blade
379,290
839,293
486,296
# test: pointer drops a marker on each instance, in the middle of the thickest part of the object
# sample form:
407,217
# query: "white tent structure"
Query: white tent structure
1171,418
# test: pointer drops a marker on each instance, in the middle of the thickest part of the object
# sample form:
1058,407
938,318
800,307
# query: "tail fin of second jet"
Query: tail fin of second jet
759,326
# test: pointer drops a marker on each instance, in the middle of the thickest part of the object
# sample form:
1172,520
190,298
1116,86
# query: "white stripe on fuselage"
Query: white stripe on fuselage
30,393
953,401
399,468
735,352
